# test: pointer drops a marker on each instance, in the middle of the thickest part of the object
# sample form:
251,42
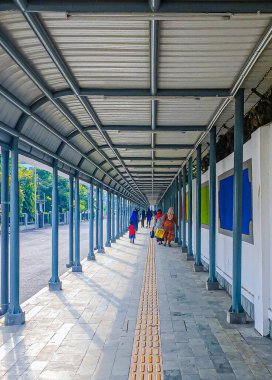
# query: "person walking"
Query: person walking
158,224
143,218
168,223
148,217
131,232
134,219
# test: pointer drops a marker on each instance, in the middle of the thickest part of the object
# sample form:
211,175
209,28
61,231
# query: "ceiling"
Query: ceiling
124,94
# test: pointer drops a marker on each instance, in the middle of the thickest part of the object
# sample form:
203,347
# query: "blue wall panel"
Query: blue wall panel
226,203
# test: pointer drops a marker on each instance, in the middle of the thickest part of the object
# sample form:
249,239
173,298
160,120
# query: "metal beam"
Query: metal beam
38,28
170,159
143,93
144,128
120,7
155,166
148,147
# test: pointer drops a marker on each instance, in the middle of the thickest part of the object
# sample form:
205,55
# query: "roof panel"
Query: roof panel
122,111
187,111
9,114
14,79
16,28
41,135
97,49
191,41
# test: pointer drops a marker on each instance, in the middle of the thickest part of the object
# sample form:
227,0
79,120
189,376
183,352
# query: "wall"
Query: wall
256,263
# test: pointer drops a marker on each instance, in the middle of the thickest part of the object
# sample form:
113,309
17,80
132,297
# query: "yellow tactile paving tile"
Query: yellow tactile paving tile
146,360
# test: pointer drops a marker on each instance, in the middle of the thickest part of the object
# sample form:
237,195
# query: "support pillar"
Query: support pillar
184,243
118,217
91,255
4,232
54,282
190,255
108,242
77,265
100,244
198,267
236,313
212,283
113,221
71,222
97,218
179,211
14,315
176,189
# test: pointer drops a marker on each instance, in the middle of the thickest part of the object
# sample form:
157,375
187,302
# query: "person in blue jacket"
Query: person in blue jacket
148,217
134,219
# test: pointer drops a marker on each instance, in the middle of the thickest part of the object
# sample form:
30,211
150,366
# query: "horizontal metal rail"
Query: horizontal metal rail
130,7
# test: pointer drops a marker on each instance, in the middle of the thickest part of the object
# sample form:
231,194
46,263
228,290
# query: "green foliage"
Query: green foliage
83,195
27,191
44,191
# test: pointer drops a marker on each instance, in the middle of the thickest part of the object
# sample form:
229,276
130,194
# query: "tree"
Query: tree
26,191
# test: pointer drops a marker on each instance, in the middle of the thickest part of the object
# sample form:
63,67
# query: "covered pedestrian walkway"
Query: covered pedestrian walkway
90,329
151,104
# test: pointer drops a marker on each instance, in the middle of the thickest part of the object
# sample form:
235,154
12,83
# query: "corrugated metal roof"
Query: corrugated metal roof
107,54
195,52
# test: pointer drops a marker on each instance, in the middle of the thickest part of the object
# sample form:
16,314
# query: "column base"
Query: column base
113,240
184,249
236,318
15,319
101,250
77,268
108,244
54,286
69,265
91,257
176,240
190,257
212,285
198,268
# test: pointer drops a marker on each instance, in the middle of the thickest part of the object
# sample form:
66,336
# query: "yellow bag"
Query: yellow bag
159,233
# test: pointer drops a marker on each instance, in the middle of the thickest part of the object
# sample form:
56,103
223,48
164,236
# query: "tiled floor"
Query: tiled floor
197,343
87,330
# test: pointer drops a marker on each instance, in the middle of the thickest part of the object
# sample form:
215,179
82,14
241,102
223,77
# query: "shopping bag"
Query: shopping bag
159,233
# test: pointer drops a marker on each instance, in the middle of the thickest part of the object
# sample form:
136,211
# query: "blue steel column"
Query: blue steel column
97,218
117,217
100,244
71,222
121,216
190,255
179,210
54,282
91,255
184,243
177,205
77,265
4,232
212,283
236,313
113,220
108,242
198,267
14,315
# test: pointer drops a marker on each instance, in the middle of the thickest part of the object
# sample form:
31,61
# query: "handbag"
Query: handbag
152,234
159,233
